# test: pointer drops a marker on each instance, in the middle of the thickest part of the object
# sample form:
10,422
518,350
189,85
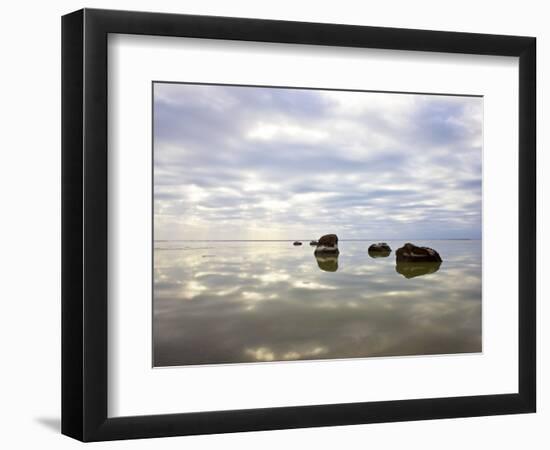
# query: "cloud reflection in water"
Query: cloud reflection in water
270,301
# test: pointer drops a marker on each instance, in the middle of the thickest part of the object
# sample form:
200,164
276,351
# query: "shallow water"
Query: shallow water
235,302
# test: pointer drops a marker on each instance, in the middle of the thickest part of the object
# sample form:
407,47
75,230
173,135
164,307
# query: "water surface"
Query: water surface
235,302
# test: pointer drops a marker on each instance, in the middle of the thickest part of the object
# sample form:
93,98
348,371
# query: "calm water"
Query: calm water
234,302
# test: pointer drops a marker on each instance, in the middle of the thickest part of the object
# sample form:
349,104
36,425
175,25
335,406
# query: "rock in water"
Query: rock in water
380,247
380,250
327,262
416,269
313,243
327,244
411,253
297,243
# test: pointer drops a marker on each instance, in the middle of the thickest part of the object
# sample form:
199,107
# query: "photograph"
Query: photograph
295,224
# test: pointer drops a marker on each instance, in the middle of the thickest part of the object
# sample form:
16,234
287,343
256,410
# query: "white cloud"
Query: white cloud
265,163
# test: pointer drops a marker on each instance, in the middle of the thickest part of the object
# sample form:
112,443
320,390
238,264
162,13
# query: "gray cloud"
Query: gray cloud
265,163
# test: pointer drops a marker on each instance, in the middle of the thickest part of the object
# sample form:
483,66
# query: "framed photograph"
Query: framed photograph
271,224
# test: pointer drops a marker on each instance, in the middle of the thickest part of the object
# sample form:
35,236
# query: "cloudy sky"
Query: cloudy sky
263,163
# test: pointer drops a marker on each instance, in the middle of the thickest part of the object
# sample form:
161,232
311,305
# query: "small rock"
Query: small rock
411,253
297,243
380,250
327,244
313,243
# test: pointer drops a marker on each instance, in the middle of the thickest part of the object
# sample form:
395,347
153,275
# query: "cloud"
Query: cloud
267,163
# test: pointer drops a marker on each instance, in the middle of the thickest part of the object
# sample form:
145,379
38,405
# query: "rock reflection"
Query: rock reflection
416,269
379,253
327,263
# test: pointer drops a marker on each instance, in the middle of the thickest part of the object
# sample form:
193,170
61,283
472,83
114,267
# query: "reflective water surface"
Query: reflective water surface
235,302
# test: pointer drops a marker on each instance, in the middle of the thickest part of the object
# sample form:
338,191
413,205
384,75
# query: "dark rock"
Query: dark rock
297,243
380,250
380,247
379,254
416,269
327,244
313,243
327,263
411,253
330,240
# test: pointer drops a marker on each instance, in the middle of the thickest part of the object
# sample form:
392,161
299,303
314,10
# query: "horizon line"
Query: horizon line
309,239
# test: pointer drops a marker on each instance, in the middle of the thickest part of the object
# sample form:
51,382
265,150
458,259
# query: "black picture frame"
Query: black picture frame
84,224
